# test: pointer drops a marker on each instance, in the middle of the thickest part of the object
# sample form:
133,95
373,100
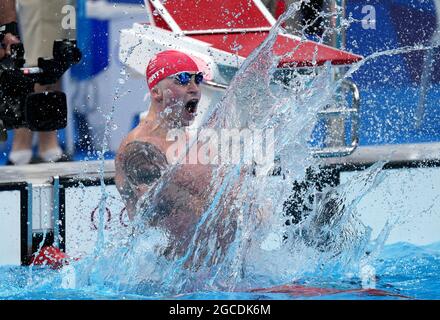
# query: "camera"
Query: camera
20,106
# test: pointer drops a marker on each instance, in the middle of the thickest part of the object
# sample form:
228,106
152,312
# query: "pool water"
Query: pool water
404,271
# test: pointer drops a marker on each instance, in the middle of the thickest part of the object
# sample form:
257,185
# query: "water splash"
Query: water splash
234,244
241,240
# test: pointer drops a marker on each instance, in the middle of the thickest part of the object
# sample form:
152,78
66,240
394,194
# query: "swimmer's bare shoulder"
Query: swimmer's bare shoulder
139,163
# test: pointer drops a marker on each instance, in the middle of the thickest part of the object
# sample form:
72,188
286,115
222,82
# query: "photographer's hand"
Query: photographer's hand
8,18
7,41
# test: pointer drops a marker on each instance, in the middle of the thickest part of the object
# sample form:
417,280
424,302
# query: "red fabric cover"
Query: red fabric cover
294,52
50,256
191,15
280,8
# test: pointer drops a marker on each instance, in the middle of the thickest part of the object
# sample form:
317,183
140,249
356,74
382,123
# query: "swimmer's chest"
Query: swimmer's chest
195,179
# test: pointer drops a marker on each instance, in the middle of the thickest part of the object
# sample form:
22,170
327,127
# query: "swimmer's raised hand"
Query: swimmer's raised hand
8,40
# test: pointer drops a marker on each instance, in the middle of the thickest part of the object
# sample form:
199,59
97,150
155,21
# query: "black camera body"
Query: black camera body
20,106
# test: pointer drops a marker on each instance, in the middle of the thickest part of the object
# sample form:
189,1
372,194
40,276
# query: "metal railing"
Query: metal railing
333,112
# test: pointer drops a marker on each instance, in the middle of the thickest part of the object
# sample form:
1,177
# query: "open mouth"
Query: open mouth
191,106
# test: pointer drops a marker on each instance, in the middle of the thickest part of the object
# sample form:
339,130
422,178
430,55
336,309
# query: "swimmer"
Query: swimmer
174,82
185,190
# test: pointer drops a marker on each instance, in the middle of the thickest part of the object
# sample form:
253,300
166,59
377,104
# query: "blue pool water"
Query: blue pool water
401,270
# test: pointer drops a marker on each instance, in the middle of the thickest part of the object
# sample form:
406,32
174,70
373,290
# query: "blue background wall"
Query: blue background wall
390,85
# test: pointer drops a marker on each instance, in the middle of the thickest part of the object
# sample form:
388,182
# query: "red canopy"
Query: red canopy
197,15
238,27
295,53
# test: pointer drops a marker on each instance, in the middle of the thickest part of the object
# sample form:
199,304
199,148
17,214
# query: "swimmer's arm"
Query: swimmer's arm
264,213
142,164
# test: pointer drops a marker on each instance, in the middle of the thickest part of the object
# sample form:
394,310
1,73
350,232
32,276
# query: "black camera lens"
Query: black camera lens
46,111
66,51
